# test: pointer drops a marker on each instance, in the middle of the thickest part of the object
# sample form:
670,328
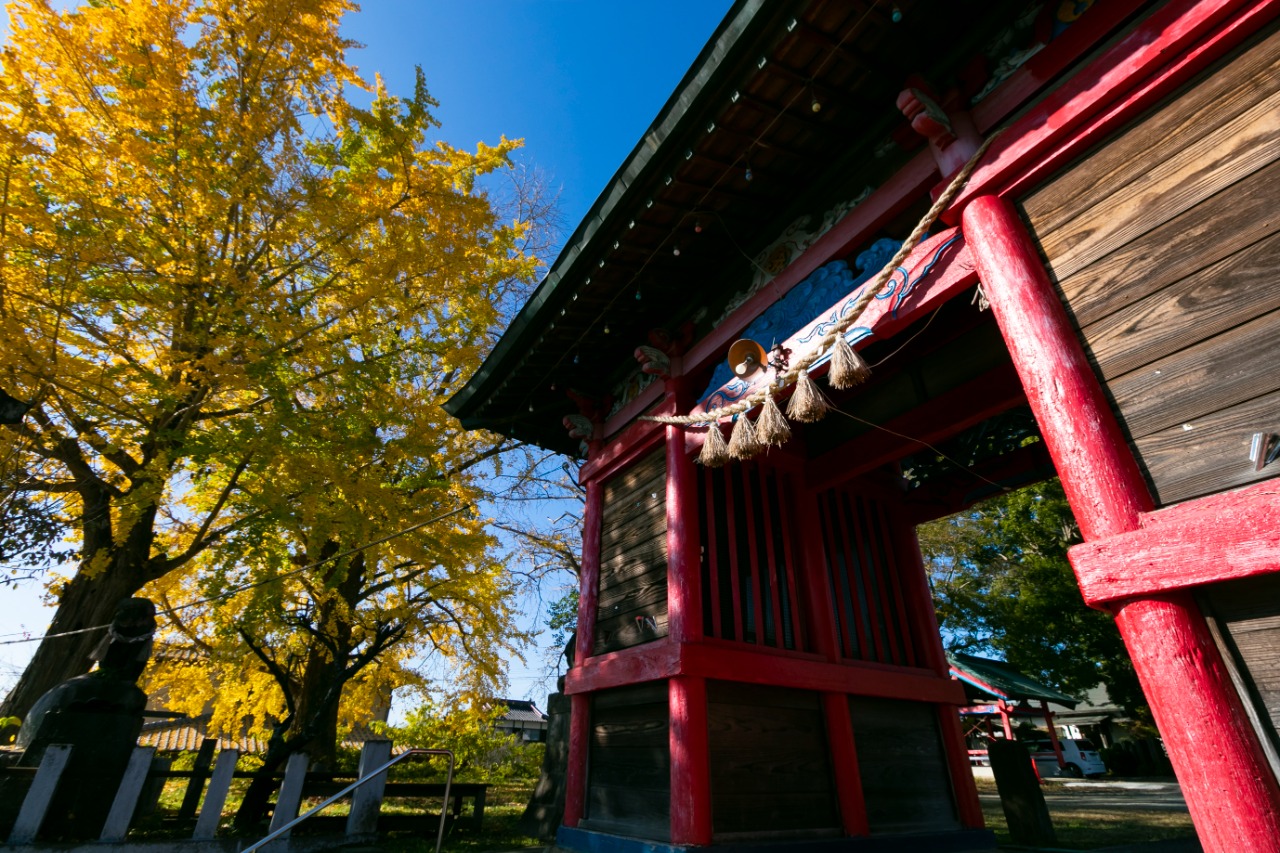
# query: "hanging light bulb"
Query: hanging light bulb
676,251
697,226
606,330
748,174
815,104
896,14
638,296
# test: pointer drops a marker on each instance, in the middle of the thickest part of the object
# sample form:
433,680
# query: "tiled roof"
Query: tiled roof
984,678
522,711
188,733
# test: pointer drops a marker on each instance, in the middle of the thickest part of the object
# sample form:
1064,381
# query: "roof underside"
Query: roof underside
672,237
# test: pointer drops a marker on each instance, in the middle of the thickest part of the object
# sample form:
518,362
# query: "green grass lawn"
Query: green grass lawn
1078,828
503,807
1086,828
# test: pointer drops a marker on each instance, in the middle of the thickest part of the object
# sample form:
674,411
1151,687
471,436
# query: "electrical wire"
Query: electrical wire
924,443
237,590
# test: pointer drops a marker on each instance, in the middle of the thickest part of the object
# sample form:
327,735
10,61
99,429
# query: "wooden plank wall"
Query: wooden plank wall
632,604
905,783
770,765
1165,243
629,762
1246,614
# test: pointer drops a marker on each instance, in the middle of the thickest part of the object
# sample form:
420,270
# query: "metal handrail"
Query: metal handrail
448,781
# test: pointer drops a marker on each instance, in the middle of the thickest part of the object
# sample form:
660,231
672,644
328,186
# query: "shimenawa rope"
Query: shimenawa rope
802,366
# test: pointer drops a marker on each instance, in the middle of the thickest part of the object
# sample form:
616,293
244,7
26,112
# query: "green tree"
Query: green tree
1002,584
224,288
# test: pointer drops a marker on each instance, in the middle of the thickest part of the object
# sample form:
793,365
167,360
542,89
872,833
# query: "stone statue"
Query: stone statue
100,716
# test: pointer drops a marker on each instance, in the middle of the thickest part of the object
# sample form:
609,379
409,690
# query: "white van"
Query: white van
1079,758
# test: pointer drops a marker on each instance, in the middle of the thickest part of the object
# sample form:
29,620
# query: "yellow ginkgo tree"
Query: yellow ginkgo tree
231,300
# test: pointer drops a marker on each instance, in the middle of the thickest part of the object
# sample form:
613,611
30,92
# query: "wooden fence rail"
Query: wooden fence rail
145,776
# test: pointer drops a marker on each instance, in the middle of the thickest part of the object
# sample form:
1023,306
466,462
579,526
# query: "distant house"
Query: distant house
523,721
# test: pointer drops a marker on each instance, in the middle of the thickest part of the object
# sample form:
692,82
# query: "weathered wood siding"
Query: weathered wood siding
905,782
629,762
866,587
770,765
1246,614
1165,243
632,604
750,560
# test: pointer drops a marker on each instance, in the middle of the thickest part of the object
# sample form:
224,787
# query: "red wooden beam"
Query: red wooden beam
938,269
1219,538
1053,59
959,409
1173,44
746,664
647,662
886,202
635,441
1231,790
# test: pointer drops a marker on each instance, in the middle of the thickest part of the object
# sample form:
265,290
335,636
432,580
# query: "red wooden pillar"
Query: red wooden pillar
1230,790
690,761
686,695
844,761
575,784
1053,733
1003,708
684,592
928,638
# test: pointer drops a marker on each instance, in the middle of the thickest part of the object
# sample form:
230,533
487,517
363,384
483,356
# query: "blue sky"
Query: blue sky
579,81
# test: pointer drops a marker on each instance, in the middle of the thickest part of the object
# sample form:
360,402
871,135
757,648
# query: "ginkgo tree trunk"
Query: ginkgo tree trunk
198,230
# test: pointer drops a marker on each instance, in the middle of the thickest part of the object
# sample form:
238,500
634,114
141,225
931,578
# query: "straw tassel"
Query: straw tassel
848,367
807,403
771,425
714,451
743,443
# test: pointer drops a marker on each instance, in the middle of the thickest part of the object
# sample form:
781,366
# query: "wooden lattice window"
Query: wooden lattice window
749,559
866,588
